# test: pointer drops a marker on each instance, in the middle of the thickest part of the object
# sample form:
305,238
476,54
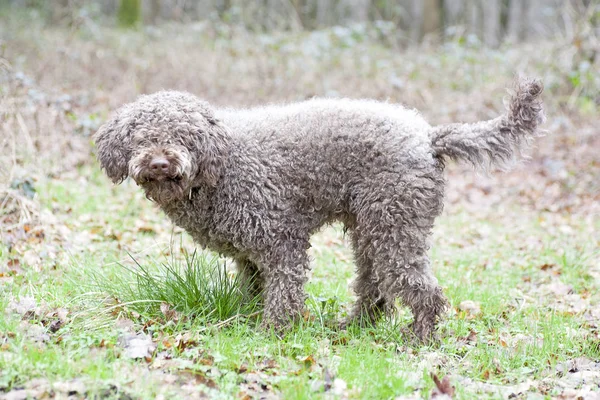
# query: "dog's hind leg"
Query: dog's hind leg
371,303
406,272
413,282
395,234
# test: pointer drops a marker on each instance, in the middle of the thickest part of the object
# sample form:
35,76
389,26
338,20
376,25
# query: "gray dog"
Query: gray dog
255,184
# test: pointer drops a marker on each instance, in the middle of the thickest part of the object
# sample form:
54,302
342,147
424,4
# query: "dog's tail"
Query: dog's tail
495,141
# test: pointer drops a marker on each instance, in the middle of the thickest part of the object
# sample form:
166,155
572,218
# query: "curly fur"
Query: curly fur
256,184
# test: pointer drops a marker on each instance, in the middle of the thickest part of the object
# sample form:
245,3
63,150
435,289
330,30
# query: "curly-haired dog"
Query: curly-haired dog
256,184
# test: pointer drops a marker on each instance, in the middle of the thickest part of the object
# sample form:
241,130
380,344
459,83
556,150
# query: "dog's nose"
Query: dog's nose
159,165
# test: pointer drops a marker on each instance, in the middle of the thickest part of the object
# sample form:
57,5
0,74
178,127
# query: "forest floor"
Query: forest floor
516,252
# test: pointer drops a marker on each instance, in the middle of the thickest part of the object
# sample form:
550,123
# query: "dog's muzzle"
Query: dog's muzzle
159,169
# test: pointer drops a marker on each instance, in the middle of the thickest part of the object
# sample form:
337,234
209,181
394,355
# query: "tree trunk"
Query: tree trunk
514,30
453,12
360,10
491,18
60,10
155,8
432,17
475,25
324,12
417,10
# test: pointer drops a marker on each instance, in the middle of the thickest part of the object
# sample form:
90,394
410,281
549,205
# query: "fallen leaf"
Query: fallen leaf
267,364
71,388
14,265
55,325
169,313
137,346
146,229
471,338
24,306
443,389
185,340
470,307
559,289
307,361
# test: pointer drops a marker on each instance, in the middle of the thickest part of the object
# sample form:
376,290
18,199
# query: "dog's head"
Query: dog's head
168,142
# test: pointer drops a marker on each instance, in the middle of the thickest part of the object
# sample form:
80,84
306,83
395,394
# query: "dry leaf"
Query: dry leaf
23,307
443,389
137,346
307,361
470,307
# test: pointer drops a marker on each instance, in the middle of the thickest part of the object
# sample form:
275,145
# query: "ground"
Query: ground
516,252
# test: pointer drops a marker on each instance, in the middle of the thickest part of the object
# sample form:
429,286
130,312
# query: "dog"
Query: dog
255,184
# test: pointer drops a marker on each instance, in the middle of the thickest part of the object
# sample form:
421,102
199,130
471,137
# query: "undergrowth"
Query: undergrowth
197,285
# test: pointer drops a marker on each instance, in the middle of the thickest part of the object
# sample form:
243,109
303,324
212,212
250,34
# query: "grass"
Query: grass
104,265
517,336
197,286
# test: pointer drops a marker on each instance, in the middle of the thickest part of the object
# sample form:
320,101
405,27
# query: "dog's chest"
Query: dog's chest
195,215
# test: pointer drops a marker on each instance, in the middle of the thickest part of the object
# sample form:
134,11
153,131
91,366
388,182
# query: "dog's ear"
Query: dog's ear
113,143
214,142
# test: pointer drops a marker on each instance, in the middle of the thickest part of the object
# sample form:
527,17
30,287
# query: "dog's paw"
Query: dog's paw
278,327
420,335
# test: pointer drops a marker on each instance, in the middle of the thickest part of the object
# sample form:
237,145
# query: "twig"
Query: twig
229,320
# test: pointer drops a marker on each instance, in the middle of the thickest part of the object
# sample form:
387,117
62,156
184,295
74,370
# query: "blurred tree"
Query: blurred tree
155,8
129,13
59,11
426,18
491,22
324,15
514,29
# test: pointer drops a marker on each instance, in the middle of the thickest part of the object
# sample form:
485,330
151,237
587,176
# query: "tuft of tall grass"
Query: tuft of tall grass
197,285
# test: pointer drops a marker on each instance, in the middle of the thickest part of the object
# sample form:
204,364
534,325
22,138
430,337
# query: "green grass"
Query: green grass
109,259
197,286
108,273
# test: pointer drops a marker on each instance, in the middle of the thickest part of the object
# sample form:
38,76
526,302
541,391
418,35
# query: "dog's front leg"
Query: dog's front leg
285,275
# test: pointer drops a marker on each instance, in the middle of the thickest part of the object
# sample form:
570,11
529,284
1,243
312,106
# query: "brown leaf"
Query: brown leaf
169,313
183,341
307,361
267,365
55,325
14,264
443,389
146,229
209,360
471,338
343,341
306,316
